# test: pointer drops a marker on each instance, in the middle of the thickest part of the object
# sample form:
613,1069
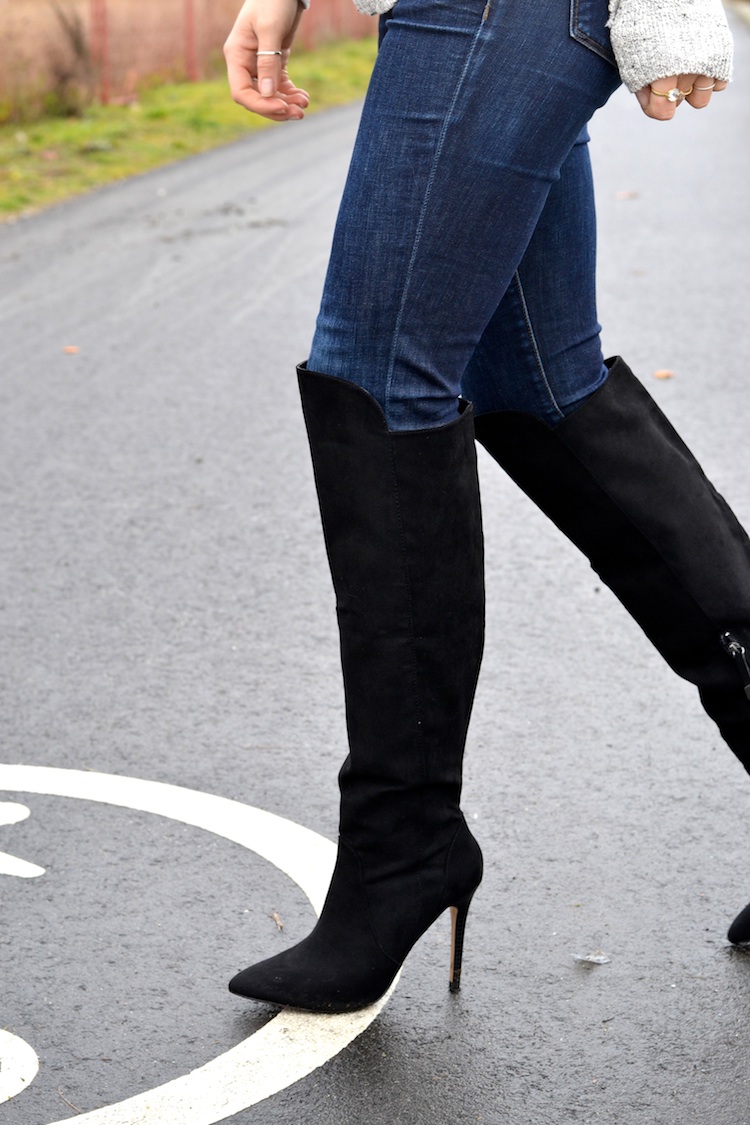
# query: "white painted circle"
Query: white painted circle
291,1045
18,1065
12,813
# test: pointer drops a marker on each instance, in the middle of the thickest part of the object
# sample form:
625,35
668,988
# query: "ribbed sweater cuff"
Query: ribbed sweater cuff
658,38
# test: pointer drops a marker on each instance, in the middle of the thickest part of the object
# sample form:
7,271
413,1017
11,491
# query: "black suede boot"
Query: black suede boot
402,526
615,477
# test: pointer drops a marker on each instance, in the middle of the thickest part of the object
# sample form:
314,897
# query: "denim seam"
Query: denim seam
420,223
576,31
534,344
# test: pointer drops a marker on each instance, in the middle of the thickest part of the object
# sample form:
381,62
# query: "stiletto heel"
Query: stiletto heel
458,929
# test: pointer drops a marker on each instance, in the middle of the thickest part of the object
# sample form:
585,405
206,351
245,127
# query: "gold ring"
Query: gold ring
702,88
673,95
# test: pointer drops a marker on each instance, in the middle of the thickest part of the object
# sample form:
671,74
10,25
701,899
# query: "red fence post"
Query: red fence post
100,47
191,60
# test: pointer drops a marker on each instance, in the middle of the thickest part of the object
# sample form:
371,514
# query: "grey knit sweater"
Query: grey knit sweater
655,38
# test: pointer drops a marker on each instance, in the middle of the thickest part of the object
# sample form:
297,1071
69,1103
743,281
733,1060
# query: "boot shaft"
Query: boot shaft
616,478
402,525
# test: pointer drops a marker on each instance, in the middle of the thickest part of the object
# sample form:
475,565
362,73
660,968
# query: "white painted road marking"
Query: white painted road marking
11,813
10,865
287,1048
18,1065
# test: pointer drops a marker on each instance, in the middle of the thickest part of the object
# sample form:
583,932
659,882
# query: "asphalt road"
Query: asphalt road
166,614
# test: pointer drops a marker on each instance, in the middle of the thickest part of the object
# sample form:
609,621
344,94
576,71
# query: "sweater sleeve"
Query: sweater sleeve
658,38
373,7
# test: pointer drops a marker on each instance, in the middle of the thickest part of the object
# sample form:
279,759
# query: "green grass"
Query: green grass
55,158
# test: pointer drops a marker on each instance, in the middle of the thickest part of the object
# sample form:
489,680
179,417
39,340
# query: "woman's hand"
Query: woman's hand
661,99
256,54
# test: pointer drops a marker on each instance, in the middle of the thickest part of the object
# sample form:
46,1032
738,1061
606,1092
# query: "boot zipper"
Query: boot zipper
737,652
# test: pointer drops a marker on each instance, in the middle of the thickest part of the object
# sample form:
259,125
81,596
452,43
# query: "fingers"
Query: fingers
662,98
273,92
703,88
260,83
268,62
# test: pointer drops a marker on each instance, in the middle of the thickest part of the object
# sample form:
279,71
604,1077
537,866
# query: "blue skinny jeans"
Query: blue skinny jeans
463,260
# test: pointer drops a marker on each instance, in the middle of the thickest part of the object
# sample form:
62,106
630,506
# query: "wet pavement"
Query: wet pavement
166,615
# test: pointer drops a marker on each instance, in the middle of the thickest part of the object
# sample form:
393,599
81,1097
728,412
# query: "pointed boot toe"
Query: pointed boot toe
299,978
739,931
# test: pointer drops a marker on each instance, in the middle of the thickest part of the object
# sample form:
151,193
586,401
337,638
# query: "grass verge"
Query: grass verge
56,158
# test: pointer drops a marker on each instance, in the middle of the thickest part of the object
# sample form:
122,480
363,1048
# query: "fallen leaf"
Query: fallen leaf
664,374
277,920
596,958
71,349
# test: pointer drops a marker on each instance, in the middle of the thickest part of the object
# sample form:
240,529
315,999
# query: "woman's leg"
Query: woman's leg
541,352
448,180
450,174
611,472
618,481
607,466
403,533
